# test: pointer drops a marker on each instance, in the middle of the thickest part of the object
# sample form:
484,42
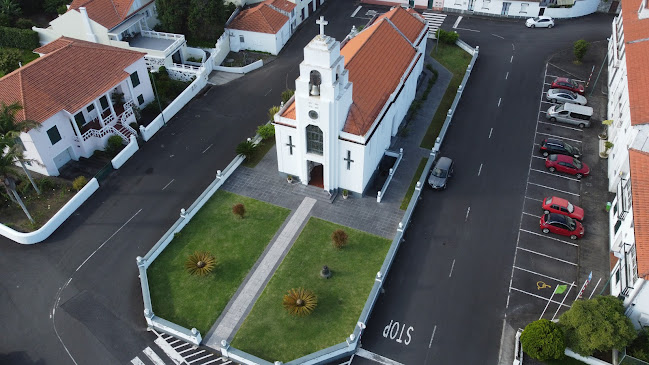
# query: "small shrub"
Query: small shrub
580,48
266,131
639,348
339,239
46,184
9,59
137,112
61,10
300,302
543,340
114,145
447,37
246,148
272,111
135,126
239,210
79,182
23,23
287,95
200,263
18,38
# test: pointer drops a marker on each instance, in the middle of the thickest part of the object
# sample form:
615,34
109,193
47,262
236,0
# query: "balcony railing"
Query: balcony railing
177,38
110,123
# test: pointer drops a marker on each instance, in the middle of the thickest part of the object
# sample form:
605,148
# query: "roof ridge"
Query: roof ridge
22,94
400,32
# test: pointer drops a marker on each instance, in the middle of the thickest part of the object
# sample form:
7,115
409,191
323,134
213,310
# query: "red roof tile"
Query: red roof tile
409,22
285,5
636,34
71,75
289,112
639,165
108,13
260,18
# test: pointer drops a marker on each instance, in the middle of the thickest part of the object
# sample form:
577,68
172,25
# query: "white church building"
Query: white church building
350,101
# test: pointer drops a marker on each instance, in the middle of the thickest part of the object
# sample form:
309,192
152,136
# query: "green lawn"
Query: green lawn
413,183
456,60
237,243
262,149
27,56
270,333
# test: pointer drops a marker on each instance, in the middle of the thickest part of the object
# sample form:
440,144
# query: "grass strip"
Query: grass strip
456,60
193,301
260,151
413,183
270,333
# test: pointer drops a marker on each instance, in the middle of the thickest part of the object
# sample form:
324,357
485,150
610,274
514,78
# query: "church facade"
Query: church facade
349,102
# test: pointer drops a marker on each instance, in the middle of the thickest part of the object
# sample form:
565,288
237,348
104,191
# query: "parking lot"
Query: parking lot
544,261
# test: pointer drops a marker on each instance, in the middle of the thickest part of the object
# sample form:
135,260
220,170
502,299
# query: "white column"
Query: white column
110,105
99,111
130,88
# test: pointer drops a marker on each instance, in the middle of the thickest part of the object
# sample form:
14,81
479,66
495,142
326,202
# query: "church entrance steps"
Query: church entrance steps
434,21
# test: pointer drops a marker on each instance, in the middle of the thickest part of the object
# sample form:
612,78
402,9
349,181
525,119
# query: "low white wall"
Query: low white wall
125,154
588,360
222,49
42,233
581,8
241,70
45,35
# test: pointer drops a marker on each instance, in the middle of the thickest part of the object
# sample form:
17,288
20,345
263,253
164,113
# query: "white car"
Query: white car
565,96
540,22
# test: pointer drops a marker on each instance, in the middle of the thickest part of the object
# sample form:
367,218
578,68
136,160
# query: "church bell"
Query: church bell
315,90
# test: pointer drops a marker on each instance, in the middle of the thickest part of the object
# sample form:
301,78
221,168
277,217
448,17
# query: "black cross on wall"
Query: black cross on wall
349,159
290,145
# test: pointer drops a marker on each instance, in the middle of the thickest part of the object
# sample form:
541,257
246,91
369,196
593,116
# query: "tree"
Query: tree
300,302
8,177
172,15
543,340
204,20
339,239
597,324
10,129
10,9
9,59
246,148
580,48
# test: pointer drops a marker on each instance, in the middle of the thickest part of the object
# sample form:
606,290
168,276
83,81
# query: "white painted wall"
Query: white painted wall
39,147
581,8
254,41
222,48
144,88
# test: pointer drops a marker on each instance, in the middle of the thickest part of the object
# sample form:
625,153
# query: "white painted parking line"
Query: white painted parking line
562,126
552,76
496,35
511,59
208,147
194,354
541,157
538,296
153,356
490,131
356,11
470,30
536,144
452,266
532,215
551,188
545,83
215,360
137,361
547,102
172,180
468,210
538,200
431,337
457,22
499,100
506,75
552,238
480,170
548,256
557,175
545,276
596,285
199,359
555,136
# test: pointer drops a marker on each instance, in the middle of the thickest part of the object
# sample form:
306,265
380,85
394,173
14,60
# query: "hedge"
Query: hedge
18,38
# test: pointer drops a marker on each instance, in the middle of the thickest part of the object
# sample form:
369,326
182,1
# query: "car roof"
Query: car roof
564,158
545,17
556,217
562,79
444,163
560,201
555,141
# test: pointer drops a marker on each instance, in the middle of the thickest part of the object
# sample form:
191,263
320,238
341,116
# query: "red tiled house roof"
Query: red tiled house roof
636,39
70,75
261,19
285,5
108,13
639,165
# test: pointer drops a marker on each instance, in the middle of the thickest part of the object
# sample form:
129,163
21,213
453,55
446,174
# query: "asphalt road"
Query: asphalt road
449,283
76,298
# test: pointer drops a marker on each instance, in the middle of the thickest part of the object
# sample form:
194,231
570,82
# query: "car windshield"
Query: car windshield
437,172
571,224
570,149
537,19
559,108
571,208
572,94
577,163
548,201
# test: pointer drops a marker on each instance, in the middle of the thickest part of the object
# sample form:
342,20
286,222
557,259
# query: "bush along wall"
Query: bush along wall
18,38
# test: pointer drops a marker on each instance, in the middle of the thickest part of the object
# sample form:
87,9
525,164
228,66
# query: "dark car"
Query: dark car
561,224
567,164
568,84
442,171
551,146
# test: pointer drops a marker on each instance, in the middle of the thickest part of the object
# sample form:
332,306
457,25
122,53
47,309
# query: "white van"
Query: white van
569,113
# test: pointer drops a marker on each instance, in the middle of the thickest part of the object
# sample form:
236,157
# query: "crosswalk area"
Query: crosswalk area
434,21
170,350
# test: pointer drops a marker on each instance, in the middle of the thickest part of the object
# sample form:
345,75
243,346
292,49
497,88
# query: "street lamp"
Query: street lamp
155,89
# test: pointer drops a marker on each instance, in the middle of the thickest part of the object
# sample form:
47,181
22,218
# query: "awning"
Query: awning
126,24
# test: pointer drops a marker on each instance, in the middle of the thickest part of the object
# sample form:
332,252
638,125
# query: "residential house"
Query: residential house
264,27
349,102
628,162
80,93
303,8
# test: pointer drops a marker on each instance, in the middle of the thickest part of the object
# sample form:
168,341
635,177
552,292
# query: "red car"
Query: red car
562,206
568,84
561,224
567,164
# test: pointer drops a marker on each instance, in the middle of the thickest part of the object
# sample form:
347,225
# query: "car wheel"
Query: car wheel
545,230
546,212
546,154
579,176
573,237
552,169
553,119
582,125
532,26
553,101
550,26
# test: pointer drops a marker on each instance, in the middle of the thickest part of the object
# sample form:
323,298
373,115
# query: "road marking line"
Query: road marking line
533,215
562,126
593,292
557,175
470,30
513,48
552,238
490,131
538,200
551,188
499,100
356,11
548,102
185,350
376,357
552,135
167,349
506,75
208,147
480,170
541,157
538,296
496,35
199,359
548,256
457,22
552,76
431,337
467,213
194,354
215,360
268,92
153,356
137,361
172,180
452,266
545,276
545,83
511,59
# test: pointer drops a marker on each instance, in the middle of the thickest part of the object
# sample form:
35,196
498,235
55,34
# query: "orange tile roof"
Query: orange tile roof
285,5
639,165
289,112
260,18
377,58
409,22
68,77
636,32
108,13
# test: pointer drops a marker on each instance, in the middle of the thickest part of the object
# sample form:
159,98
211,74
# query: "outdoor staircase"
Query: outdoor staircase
434,21
124,131
316,193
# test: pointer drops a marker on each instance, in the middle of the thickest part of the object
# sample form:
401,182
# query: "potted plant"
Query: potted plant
289,179
345,194
604,133
607,146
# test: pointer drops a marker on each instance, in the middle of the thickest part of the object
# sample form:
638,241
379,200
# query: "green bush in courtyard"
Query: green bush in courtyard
287,95
246,148
543,340
580,48
114,145
266,131
79,183
447,37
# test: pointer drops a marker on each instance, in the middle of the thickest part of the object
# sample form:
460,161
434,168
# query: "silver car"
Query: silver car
442,171
565,96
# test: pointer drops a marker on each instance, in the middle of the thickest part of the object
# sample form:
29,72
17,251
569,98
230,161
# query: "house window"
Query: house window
617,226
90,108
135,79
486,3
617,276
54,135
147,14
314,140
103,101
524,7
241,39
80,119
140,99
458,2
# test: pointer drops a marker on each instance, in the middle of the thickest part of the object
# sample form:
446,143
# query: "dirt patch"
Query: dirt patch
244,58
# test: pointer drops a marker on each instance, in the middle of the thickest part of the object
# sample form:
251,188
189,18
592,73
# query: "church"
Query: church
350,101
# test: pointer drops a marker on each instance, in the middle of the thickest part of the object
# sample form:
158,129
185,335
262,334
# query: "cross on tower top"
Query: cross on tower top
322,22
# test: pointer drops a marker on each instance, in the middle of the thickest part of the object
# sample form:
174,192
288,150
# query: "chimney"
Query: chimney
90,36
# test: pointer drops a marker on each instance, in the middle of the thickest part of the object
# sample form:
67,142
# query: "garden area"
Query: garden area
166,91
300,311
194,278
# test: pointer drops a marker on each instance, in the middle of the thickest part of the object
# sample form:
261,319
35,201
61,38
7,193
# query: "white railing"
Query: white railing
177,38
187,67
109,123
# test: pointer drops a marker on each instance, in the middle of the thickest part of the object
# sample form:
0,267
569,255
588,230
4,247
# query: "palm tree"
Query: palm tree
8,176
10,129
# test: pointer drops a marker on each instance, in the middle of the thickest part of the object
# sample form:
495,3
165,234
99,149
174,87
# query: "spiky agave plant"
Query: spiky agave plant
300,302
200,263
